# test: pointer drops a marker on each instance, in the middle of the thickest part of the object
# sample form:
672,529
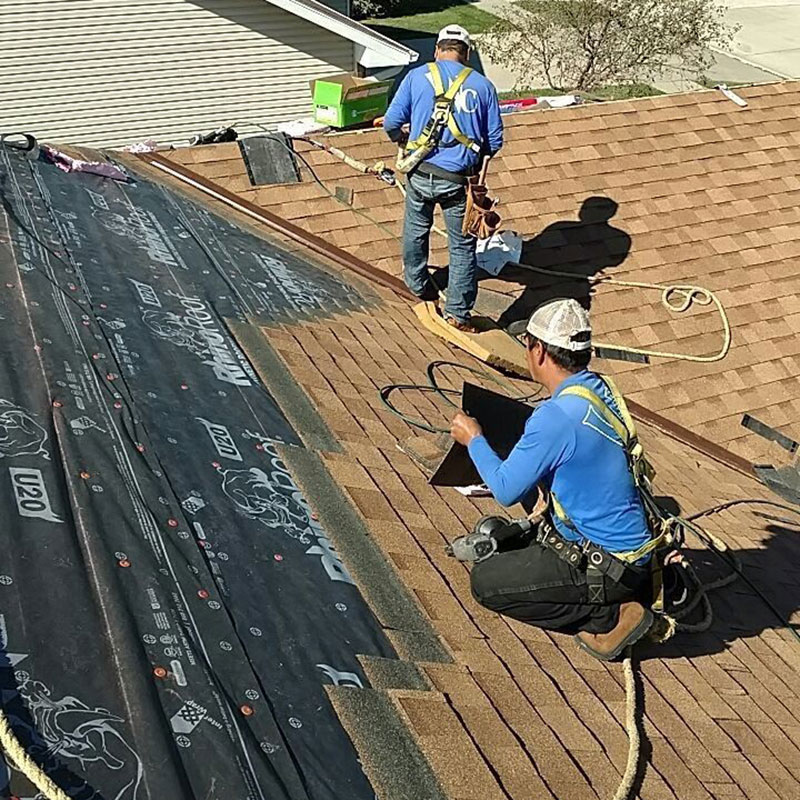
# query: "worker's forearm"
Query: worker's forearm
399,111
490,468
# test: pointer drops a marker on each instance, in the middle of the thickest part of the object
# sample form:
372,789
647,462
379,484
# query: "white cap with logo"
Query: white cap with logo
455,33
562,323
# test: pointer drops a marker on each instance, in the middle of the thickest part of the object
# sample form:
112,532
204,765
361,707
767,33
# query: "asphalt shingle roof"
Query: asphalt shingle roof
707,193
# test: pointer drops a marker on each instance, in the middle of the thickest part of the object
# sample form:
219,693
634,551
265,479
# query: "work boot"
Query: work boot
465,327
634,622
430,294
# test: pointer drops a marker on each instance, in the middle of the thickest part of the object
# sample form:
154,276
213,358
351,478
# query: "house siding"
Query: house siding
108,73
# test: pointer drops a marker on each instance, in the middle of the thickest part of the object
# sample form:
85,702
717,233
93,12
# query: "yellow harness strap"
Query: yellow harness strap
443,103
626,430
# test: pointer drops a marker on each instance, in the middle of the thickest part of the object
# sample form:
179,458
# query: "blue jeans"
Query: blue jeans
423,193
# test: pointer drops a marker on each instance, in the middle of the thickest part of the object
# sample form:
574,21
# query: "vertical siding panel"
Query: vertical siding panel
108,73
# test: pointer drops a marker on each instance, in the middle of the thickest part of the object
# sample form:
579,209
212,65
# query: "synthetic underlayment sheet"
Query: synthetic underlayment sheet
149,527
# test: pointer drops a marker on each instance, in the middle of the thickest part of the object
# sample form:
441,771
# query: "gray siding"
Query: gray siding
108,73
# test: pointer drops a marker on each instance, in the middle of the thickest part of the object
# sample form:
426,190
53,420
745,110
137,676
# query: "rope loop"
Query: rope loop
691,294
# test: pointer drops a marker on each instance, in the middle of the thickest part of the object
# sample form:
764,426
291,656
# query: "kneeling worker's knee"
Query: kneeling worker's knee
480,586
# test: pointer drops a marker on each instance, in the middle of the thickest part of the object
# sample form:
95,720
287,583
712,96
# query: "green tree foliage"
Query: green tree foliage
365,9
583,44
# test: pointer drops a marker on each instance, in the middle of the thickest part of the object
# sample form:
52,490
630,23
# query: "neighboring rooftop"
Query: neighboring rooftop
707,193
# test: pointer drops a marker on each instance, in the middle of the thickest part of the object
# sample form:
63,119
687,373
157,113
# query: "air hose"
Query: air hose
445,394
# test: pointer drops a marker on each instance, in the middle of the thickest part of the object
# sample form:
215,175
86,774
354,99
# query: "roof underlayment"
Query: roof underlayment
171,606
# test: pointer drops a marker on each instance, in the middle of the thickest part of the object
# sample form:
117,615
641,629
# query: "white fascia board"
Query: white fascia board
373,50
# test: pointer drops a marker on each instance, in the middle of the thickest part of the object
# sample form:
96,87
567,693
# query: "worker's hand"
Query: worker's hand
542,504
464,428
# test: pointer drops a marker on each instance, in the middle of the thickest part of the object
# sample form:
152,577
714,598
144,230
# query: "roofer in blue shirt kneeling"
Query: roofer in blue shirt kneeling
454,123
585,567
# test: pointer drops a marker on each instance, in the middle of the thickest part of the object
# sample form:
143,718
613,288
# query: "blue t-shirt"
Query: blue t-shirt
568,446
475,110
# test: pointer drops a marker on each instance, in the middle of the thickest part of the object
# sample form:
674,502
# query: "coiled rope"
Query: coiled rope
689,293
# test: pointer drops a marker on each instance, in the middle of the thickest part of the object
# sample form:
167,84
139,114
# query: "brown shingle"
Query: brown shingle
522,707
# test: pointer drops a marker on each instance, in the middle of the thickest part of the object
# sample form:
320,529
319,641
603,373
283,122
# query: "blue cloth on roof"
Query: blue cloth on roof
476,111
570,448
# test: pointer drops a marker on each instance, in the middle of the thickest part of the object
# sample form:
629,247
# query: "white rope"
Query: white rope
25,764
672,625
631,727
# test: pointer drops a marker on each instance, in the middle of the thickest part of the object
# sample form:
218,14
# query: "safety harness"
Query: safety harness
442,118
665,529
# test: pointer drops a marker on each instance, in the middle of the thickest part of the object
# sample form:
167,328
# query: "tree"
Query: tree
364,9
585,44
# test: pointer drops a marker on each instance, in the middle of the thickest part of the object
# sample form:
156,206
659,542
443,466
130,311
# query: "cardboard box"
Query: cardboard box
342,100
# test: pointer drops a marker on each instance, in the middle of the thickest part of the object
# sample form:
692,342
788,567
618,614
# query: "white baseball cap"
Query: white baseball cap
456,33
562,323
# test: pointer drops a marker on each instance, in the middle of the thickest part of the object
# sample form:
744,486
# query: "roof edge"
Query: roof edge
388,51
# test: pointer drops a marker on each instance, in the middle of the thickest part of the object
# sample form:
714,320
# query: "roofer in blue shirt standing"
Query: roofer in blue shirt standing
472,129
569,448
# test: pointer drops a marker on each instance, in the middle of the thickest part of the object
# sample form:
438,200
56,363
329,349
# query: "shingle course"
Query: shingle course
535,710
709,193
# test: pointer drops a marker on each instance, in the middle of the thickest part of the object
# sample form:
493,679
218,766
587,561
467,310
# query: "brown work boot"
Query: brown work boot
634,622
465,327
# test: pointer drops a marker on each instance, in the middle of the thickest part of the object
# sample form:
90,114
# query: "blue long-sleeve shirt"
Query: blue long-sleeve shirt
475,109
570,448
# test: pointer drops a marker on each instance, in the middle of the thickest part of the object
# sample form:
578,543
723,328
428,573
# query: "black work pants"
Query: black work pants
534,585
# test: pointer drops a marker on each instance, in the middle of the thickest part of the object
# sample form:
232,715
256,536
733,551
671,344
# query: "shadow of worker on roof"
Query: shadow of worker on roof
582,248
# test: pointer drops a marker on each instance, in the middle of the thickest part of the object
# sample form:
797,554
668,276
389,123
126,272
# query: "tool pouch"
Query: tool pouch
480,219
598,564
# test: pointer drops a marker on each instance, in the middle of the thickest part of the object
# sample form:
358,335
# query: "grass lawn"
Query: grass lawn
422,23
624,92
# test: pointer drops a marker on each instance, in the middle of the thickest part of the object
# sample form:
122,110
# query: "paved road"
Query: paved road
770,34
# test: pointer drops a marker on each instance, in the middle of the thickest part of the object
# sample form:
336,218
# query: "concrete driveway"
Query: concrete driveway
770,34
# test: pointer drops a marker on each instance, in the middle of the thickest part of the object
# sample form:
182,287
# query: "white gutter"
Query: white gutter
373,50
